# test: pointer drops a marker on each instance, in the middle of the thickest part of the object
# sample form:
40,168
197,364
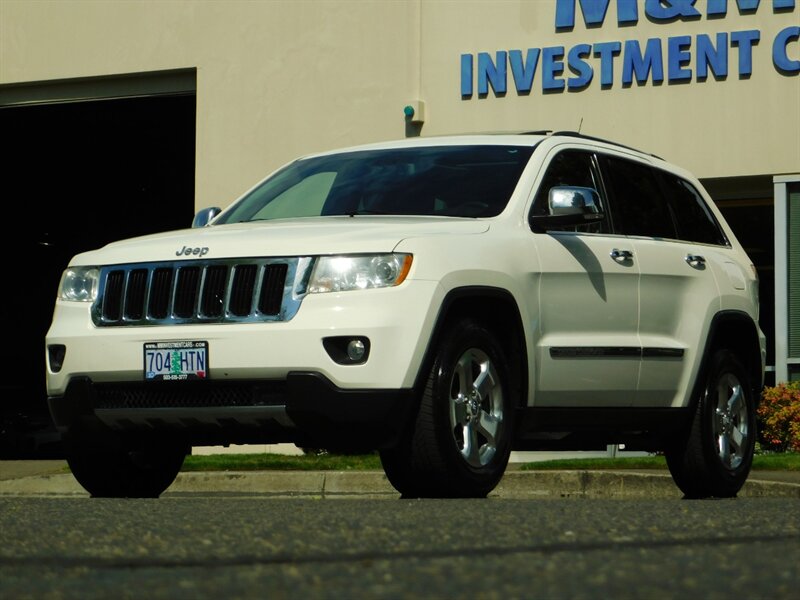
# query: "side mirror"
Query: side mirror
204,216
569,206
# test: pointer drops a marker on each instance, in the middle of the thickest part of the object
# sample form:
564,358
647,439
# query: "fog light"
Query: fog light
347,349
356,350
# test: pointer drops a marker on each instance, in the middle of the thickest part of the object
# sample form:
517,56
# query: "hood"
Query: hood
291,237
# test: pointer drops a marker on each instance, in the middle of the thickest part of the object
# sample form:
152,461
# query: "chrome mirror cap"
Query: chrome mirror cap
572,200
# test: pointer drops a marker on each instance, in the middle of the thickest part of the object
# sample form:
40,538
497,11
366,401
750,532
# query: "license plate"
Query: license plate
175,361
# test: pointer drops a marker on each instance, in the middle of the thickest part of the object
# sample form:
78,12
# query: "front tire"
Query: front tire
141,469
716,456
461,440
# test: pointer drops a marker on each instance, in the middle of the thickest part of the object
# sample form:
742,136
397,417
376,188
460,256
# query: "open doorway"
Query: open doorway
76,176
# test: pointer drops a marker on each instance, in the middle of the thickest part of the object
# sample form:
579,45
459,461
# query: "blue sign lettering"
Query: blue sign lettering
682,56
492,73
678,57
552,66
672,10
634,62
780,53
713,57
580,67
523,71
594,12
745,40
466,75
606,51
744,6
660,11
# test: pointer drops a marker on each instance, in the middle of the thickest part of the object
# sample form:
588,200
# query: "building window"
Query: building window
787,277
793,268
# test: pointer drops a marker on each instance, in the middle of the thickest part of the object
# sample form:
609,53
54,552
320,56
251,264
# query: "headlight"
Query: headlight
358,272
79,284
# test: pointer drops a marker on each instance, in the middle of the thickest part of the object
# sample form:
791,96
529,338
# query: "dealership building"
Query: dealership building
125,117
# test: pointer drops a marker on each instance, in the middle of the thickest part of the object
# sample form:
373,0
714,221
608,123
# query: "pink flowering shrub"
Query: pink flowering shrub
779,418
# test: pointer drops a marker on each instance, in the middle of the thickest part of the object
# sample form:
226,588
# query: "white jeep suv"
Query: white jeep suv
441,300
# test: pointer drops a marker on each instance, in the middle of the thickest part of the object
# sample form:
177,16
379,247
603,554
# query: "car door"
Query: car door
677,247
587,346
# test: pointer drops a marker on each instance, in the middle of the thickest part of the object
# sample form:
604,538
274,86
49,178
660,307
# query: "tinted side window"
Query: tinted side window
696,223
573,168
637,203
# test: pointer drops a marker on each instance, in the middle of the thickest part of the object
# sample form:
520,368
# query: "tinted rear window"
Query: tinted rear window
695,221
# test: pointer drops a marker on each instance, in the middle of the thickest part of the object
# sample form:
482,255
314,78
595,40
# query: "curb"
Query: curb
374,484
619,485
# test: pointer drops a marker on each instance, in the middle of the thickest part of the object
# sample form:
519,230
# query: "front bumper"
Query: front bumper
266,382
305,408
396,321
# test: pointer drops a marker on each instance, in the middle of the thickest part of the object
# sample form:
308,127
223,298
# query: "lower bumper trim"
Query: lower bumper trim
306,408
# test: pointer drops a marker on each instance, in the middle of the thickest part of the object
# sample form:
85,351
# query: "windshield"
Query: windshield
456,181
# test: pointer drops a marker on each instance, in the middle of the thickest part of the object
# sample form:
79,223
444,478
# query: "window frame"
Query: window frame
607,223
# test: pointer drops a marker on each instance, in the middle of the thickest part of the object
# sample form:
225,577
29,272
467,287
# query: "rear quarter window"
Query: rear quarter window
694,219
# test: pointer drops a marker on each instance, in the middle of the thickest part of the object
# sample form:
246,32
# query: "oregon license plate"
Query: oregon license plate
175,361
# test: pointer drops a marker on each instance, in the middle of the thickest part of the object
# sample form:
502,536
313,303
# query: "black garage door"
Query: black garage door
75,176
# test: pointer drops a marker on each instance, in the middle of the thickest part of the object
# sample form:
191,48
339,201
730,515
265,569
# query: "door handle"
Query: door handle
696,261
621,255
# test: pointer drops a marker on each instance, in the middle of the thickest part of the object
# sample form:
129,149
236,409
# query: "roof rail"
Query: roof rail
598,139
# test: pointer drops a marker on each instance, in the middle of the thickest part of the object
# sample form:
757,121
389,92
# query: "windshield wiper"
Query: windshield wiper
366,211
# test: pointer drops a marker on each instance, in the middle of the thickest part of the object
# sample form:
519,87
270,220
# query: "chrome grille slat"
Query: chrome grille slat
201,291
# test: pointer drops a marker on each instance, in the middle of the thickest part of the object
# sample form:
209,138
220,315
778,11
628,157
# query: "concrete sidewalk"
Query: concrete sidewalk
52,478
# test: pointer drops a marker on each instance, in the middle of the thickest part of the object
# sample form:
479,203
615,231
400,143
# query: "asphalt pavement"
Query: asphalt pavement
52,478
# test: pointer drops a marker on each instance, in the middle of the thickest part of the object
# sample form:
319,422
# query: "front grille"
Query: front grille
200,292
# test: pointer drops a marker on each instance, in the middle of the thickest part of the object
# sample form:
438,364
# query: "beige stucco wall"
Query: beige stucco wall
280,78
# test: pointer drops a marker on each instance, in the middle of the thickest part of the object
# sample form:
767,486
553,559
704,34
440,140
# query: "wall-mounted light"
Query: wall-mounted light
415,112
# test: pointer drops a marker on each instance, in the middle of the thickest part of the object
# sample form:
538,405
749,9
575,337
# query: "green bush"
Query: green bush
779,417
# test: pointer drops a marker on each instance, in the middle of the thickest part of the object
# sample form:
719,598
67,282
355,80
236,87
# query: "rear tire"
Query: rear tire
716,456
461,440
142,469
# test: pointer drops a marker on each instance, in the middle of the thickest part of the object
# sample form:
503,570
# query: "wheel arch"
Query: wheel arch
737,332
497,310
